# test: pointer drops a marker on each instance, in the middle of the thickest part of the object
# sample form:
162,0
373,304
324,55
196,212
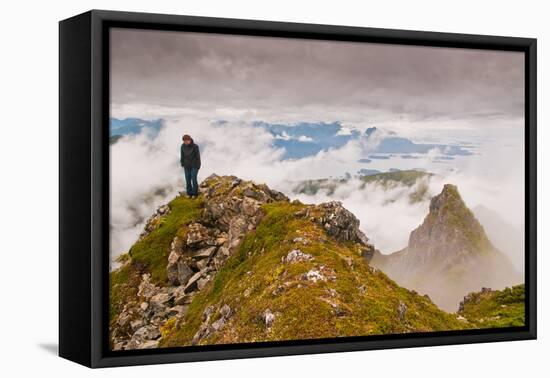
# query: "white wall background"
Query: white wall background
28,192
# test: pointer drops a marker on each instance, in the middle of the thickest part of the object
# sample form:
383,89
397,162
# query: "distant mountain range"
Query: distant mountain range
367,176
305,139
133,126
308,138
393,144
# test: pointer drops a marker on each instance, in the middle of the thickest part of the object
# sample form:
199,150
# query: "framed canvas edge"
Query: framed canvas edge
100,357
75,185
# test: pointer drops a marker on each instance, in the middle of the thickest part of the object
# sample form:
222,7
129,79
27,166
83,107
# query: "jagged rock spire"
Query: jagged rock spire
448,255
450,224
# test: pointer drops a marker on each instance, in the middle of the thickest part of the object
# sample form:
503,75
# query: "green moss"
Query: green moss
353,300
235,269
152,251
123,284
496,309
123,258
149,255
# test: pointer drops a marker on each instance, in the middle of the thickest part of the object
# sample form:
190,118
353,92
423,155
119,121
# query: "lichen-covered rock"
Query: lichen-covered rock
198,235
192,283
147,289
225,311
149,344
229,198
204,253
147,333
207,328
337,221
268,317
144,338
313,275
296,256
178,271
234,207
181,297
160,300
401,310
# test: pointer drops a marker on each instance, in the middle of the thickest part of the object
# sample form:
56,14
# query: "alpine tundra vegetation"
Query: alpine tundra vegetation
242,263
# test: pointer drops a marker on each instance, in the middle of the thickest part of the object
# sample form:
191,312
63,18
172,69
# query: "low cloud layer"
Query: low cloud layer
145,173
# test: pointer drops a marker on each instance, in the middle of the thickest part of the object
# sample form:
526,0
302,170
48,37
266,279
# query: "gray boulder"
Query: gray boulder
268,317
401,310
198,236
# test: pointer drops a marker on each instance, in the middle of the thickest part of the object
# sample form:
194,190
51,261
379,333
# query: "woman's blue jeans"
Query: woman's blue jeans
192,186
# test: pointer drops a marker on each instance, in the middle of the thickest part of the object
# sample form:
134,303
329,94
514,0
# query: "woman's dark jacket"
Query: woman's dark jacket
190,156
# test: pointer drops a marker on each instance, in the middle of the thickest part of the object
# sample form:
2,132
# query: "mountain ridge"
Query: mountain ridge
242,263
449,254
390,179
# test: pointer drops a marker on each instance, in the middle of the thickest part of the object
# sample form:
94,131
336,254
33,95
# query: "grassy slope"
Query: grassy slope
153,250
303,309
496,309
150,255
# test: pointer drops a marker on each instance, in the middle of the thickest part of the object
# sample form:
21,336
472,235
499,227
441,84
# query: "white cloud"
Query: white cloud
139,167
304,138
386,215
344,130
283,136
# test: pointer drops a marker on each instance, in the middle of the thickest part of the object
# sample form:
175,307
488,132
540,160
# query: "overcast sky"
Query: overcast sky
253,77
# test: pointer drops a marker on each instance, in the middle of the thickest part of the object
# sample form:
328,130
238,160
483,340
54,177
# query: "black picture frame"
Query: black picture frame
84,186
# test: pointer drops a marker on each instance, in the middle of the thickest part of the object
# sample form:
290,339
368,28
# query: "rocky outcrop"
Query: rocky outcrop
209,325
448,255
268,317
449,223
137,325
232,208
339,223
297,255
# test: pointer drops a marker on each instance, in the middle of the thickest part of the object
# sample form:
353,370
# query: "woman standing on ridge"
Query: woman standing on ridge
190,160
